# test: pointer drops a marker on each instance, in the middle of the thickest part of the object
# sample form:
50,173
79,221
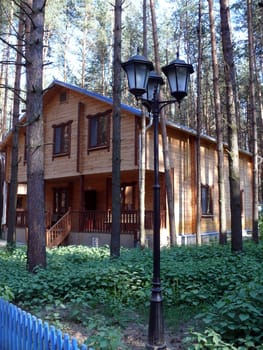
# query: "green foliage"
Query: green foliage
85,286
239,315
210,340
104,336
260,225
6,293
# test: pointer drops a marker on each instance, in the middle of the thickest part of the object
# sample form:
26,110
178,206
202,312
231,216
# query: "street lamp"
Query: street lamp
145,84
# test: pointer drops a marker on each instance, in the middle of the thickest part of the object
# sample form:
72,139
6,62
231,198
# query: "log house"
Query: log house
77,174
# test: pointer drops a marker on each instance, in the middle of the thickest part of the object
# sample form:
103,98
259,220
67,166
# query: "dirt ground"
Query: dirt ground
135,336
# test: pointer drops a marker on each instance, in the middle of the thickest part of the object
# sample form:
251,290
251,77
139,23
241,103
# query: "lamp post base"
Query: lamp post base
156,328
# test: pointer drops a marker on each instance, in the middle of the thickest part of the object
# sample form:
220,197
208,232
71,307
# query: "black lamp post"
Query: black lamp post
145,84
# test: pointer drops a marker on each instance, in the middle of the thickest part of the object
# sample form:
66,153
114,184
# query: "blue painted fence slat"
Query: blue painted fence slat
20,330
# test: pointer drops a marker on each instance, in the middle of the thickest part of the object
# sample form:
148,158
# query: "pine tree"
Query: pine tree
231,110
116,135
36,249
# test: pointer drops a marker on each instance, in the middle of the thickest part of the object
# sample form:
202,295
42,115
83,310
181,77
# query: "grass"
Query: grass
202,286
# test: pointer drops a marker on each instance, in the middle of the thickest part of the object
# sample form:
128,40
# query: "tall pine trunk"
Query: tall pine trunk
231,110
5,74
253,118
143,144
11,233
198,126
36,249
116,134
219,129
167,168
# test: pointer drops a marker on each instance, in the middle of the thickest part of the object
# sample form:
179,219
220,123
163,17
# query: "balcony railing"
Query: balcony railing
100,221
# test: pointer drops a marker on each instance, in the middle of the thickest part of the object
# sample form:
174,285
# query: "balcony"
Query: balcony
100,221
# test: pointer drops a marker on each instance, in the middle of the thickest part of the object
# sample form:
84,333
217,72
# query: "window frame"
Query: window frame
94,119
63,149
207,206
63,97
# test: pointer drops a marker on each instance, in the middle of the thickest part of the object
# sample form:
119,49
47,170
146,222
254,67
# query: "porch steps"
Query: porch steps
59,231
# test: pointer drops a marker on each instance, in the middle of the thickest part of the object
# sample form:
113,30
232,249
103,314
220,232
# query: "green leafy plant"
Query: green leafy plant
239,315
209,340
82,284
6,293
103,336
260,225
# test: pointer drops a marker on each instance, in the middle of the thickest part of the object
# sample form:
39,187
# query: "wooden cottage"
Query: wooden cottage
78,173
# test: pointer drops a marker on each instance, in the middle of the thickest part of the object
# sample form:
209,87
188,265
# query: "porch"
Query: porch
91,222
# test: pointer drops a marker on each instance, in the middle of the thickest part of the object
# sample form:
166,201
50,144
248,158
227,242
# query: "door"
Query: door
61,203
90,200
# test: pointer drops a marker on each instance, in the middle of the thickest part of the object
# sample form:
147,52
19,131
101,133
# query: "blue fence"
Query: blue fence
20,330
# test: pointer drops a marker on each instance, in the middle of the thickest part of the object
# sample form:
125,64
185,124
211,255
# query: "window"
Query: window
62,134
63,97
99,133
206,200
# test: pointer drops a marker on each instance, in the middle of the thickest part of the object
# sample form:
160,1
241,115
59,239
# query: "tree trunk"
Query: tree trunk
198,127
36,253
219,130
11,233
116,135
253,117
231,110
143,144
6,75
2,196
168,181
260,110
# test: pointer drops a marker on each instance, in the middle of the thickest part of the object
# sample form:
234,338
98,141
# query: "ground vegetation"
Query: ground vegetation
212,298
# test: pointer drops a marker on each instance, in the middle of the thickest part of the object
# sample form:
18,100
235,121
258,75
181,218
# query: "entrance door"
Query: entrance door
90,207
128,196
90,200
61,203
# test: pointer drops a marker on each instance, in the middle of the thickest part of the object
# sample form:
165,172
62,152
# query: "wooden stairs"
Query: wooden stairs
59,231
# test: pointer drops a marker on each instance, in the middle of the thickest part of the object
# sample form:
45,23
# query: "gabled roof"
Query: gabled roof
94,95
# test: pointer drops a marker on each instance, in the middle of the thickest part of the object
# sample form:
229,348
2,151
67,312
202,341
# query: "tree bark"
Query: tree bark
143,145
253,117
116,135
167,168
231,110
36,250
6,74
198,127
11,233
219,130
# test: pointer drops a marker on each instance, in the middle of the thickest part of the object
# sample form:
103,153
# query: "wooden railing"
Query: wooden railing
92,221
100,221
59,231
21,218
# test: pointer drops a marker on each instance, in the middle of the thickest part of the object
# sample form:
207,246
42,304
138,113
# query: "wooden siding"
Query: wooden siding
22,169
85,162
81,170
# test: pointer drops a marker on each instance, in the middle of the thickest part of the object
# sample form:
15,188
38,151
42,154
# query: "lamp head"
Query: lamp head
178,73
137,69
153,87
